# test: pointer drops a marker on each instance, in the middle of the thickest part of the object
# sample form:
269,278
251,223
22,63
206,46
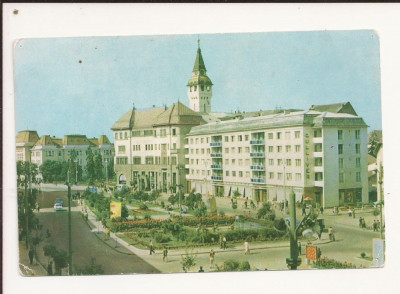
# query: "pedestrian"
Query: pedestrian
201,270
318,253
303,210
350,212
364,225
299,246
354,213
360,222
375,226
30,255
224,242
245,204
151,247
378,224
321,209
212,256
50,268
38,208
165,254
246,248
330,233
220,242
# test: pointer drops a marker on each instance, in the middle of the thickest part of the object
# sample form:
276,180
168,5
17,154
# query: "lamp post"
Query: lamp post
106,173
380,182
180,185
76,171
69,226
293,261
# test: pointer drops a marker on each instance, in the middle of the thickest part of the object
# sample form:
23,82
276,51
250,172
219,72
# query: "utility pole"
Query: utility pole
293,261
69,226
26,208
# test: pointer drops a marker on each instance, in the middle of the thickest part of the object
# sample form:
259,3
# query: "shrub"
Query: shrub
221,213
376,212
231,265
143,206
363,254
147,217
162,204
244,266
161,238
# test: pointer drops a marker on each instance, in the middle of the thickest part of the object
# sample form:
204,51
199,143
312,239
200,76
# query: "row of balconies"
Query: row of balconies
257,142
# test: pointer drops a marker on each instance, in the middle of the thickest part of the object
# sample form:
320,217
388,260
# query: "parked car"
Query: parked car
58,207
60,201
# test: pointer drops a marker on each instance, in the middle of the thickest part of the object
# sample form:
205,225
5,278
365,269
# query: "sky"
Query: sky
83,85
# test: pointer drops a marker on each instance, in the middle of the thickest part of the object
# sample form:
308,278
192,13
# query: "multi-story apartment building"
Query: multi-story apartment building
149,146
51,148
320,153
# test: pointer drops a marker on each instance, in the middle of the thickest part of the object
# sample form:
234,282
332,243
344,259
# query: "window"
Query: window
173,146
149,160
173,160
233,161
192,161
232,138
202,140
278,135
122,160
227,173
240,138
279,176
121,149
358,177
240,162
318,133
340,148
297,134
240,174
247,161
227,161
233,173
191,140
247,149
280,161
126,135
240,149
271,175
298,176
247,174
357,134
357,148
197,151
270,136
197,140
191,151
278,149
340,162
318,147
270,149
318,177
288,148
340,134
173,132
137,160
226,150
298,162
226,139
287,135
202,150
297,148
288,162
163,133
208,150
149,133
318,161
116,136
289,176
246,137
203,172
270,161
233,149
358,162
341,177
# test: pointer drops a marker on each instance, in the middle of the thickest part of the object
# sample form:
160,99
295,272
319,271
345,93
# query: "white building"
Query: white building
320,153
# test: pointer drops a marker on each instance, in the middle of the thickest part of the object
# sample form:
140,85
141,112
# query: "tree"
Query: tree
90,167
51,171
188,261
60,257
124,212
92,269
110,169
27,211
262,212
98,167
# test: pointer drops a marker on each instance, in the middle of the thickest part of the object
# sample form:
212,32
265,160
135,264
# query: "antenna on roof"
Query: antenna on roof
198,41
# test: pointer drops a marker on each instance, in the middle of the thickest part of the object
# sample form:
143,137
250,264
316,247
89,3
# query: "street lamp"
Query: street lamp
106,173
76,171
293,261
69,226
180,186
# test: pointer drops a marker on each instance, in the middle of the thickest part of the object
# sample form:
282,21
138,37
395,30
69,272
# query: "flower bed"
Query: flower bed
327,263
186,221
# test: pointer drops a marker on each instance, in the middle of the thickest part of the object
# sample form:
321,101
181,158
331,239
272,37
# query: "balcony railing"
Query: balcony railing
215,144
257,142
216,178
257,167
257,154
216,155
258,181
216,166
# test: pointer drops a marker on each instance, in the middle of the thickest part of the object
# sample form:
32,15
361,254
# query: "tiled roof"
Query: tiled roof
77,140
140,119
47,140
103,140
345,107
27,137
179,114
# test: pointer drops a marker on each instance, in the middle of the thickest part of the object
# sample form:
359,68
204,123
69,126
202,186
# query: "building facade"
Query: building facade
38,150
320,153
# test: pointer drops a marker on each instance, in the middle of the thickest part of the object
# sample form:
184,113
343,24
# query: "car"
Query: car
58,207
60,201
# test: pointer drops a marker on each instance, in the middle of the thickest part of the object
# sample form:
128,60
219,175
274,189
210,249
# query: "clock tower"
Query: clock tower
200,86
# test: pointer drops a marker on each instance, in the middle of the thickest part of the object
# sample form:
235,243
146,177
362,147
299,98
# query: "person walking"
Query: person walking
354,213
151,247
364,225
299,246
165,254
50,268
360,222
246,248
331,235
224,242
378,224
321,209
303,210
212,256
375,226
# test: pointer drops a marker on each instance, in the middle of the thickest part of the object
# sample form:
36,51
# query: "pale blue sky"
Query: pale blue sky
57,95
